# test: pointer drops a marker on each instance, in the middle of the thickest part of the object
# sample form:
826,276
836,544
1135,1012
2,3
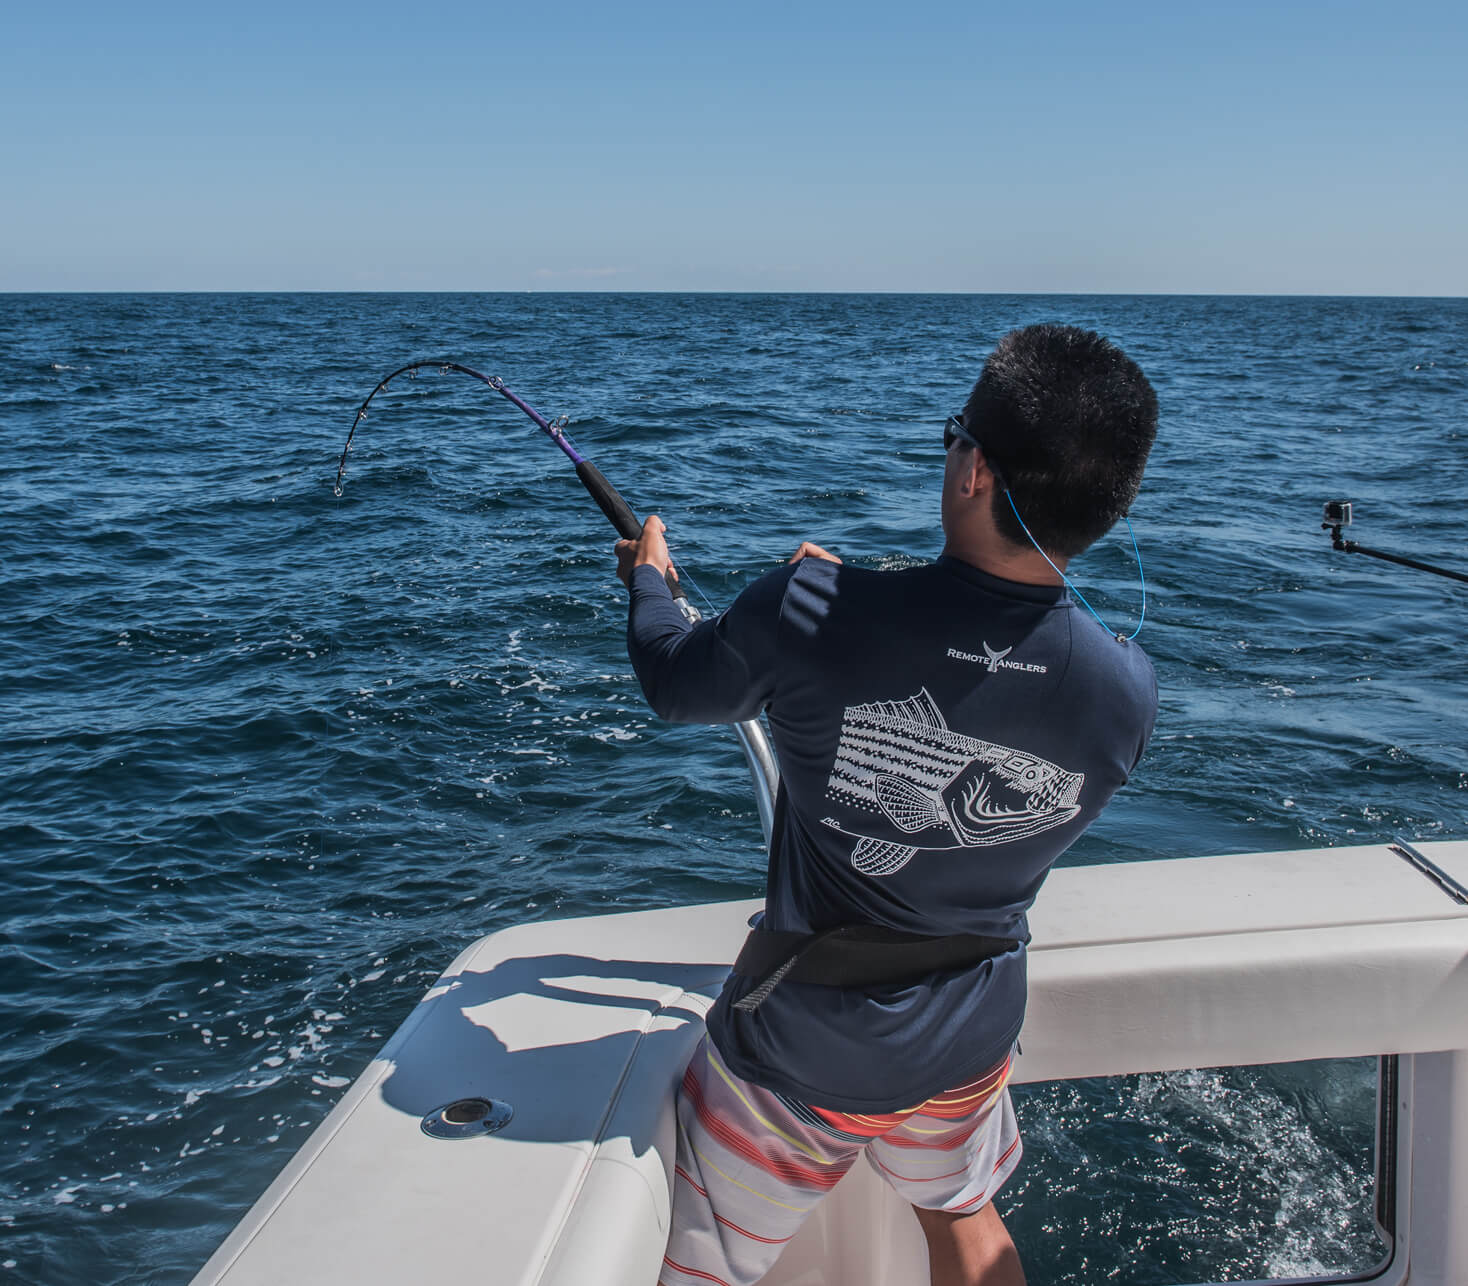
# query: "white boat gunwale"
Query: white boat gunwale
1136,967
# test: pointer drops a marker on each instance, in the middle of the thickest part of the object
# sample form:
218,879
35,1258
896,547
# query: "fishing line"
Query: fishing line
607,498
688,580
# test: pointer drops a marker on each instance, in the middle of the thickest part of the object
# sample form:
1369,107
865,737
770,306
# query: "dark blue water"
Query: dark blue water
270,758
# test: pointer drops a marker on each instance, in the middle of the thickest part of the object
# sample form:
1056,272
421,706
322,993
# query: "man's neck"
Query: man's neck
1000,558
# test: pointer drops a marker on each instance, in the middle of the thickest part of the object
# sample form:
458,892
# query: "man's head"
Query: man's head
1065,419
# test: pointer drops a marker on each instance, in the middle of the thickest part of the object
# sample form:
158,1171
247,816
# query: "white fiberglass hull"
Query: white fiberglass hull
583,1027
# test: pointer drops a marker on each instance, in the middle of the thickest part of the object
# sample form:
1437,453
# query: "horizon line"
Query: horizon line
995,294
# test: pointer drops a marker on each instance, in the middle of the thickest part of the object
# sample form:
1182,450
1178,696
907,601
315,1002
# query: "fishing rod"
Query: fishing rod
1338,517
764,771
608,498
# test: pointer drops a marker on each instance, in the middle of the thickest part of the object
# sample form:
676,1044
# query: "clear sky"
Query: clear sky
955,146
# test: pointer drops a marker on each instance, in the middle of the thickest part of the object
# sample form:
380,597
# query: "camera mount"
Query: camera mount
1338,515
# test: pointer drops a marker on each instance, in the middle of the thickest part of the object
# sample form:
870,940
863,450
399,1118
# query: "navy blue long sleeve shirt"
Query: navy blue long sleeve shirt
943,736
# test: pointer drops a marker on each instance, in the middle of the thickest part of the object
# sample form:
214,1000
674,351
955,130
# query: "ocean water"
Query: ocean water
270,758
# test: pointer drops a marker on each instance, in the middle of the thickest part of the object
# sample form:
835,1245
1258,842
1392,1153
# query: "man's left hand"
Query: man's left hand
809,549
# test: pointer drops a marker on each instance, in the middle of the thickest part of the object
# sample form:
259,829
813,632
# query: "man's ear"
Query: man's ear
985,479
969,479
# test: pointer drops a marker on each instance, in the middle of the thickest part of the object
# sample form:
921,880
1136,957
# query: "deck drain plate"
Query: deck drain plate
468,1118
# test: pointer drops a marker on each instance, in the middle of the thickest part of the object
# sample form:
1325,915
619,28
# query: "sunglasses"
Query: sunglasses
953,431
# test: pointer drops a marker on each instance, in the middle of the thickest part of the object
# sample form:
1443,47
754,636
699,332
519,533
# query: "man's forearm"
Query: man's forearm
689,673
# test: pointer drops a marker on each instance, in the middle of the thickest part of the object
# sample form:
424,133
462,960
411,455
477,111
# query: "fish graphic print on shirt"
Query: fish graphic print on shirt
899,761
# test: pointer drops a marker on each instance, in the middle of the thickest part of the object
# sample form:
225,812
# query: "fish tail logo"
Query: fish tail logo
992,658
910,783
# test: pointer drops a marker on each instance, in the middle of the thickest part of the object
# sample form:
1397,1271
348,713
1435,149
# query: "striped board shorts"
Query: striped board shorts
752,1163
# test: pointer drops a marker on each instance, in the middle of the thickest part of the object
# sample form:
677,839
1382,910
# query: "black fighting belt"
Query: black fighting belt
855,955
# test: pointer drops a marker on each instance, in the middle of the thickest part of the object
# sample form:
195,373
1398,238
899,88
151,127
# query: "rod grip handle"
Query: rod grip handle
609,501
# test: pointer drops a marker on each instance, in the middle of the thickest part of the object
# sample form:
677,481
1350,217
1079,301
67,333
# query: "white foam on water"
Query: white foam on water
534,681
1218,1163
1265,1137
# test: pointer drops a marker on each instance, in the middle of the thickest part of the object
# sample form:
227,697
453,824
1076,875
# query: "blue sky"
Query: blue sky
1317,148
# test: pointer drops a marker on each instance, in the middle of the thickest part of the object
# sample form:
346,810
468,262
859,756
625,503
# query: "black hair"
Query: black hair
1067,420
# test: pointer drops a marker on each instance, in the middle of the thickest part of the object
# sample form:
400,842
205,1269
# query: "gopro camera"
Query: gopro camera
1337,513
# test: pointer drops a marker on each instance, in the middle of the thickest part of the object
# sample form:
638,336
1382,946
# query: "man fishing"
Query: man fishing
944,733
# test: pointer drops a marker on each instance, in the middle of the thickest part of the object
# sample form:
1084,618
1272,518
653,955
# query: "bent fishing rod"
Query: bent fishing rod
608,498
763,768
